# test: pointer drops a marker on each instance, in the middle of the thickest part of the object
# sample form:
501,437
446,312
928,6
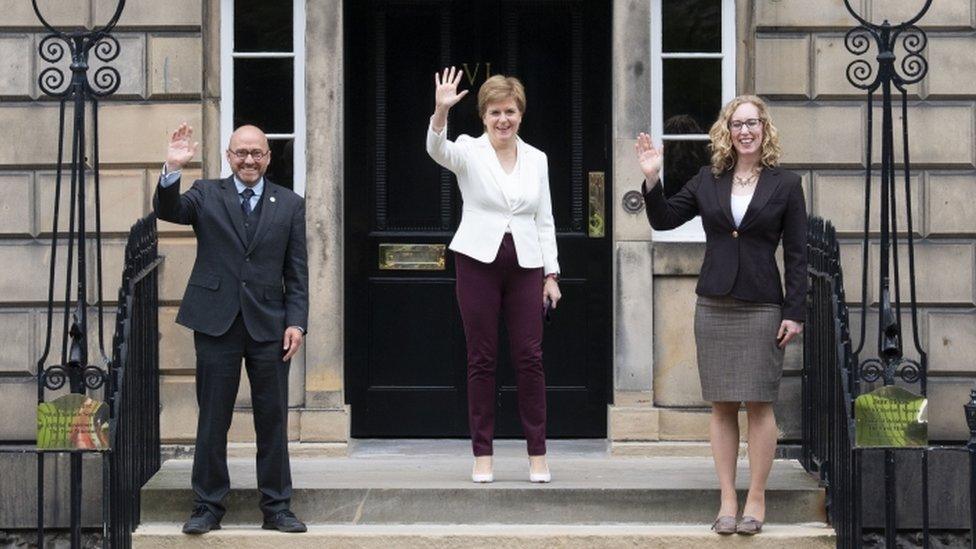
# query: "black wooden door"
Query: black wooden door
405,352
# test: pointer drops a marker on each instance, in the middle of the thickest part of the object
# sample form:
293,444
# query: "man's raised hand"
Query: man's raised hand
181,149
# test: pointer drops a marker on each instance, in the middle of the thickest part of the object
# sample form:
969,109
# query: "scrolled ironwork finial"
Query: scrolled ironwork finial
908,23
914,66
120,5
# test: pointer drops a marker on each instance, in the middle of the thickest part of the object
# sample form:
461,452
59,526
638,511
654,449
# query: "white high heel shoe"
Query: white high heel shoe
481,478
540,477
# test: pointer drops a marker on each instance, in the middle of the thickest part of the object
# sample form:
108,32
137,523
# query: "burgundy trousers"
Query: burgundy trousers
486,291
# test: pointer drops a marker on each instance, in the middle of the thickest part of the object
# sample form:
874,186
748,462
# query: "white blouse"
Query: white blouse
739,205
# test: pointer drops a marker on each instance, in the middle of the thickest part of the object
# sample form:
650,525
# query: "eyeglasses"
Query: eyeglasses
256,154
751,123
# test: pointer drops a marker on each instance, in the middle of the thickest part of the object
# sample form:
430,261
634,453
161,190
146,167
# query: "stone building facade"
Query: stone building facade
791,52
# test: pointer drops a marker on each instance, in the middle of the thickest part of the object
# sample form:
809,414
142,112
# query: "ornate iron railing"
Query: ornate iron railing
830,385
827,417
135,454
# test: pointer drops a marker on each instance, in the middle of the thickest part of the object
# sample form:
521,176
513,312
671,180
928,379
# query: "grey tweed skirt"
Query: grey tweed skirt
738,360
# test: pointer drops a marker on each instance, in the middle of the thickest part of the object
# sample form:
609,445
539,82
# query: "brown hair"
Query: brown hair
723,153
500,88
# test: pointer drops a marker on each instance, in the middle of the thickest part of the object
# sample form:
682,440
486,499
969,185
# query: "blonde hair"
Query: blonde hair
723,153
500,88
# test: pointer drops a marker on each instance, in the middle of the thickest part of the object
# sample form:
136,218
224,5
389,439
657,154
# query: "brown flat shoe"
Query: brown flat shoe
724,525
749,526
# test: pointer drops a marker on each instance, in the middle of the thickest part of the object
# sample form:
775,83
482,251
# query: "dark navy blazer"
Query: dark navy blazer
740,261
266,280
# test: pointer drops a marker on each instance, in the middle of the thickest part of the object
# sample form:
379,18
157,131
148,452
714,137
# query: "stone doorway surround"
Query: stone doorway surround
633,420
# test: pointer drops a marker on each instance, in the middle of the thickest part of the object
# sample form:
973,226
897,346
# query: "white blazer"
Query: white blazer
487,211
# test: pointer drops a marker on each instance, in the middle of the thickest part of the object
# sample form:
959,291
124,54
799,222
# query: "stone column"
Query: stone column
325,417
631,417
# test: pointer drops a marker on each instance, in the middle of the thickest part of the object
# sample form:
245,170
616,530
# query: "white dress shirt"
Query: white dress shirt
740,203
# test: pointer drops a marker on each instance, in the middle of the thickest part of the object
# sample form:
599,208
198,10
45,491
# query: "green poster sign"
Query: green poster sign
72,422
890,417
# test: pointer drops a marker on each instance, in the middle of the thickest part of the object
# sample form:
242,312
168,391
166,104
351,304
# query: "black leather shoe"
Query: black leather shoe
284,521
201,521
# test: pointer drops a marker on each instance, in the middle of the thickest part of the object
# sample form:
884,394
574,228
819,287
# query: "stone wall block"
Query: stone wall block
947,395
131,64
29,281
632,423
39,121
943,272
178,409
18,408
16,64
122,196
138,133
802,13
950,207
820,135
942,14
16,203
840,199
952,341
329,425
174,13
175,65
16,340
952,73
676,381
633,363
783,65
851,261
67,13
940,134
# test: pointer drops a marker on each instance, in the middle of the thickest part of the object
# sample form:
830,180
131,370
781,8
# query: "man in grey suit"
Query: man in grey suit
246,299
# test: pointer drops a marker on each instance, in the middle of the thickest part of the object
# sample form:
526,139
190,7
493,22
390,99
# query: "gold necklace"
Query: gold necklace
748,180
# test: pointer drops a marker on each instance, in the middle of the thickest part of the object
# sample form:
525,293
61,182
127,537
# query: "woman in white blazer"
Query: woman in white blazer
505,257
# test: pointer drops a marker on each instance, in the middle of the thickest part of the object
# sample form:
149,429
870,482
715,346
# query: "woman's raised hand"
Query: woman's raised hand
649,158
445,88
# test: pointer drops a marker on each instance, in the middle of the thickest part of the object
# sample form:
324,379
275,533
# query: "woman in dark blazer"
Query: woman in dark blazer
743,321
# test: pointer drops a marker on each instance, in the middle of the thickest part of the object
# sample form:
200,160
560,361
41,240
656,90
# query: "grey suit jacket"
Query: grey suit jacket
266,281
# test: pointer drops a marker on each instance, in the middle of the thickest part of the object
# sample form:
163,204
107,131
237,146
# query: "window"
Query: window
262,80
692,76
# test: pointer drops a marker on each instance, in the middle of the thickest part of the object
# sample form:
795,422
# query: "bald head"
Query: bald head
248,134
248,154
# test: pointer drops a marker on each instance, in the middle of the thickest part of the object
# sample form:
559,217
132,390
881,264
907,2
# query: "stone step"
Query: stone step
414,490
488,536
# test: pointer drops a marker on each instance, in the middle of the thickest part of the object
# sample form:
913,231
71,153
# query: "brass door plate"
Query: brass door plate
412,257
596,224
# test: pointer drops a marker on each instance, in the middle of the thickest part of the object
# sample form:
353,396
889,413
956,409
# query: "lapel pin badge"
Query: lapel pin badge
272,199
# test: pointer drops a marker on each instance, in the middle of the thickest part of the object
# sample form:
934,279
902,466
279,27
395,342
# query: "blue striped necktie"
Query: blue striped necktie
246,204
